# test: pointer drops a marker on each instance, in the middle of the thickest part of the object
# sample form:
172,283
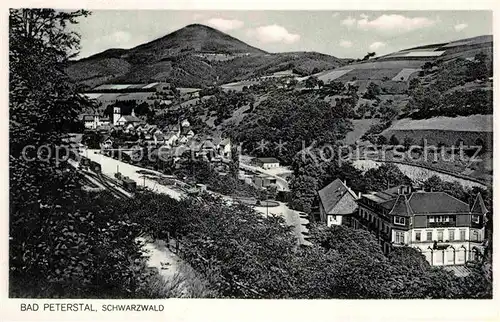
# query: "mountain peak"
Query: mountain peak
197,38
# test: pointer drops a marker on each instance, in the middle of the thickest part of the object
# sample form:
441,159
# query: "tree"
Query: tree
303,189
292,83
64,242
311,82
385,177
414,83
407,142
393,140
372,91
478,68
368,56
454,189
381,140
92,140
388,111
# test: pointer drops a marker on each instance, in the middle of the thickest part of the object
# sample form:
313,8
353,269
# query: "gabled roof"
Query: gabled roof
170,135
401,207
336,198
419,202
159,136
479,207
171,128
386,198
422,202
225,142
131,118
186,130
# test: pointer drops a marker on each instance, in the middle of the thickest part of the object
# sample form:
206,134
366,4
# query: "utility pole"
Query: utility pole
267,204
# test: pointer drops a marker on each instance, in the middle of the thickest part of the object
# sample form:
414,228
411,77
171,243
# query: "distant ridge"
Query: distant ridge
195,55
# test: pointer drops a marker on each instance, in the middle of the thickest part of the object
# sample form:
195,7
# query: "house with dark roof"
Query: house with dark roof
266,163
125,120
446,230
337,204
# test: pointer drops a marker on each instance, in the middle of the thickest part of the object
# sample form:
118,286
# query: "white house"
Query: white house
337,203
446,230
266,163
126,120
225,148
93,121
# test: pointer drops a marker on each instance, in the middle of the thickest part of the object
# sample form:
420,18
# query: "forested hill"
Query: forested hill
193,56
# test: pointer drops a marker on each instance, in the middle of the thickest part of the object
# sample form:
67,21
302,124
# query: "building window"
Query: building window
418,236
429,235
475,235
399,220
462,235
439,218
475,219
440,235
400,237
451,234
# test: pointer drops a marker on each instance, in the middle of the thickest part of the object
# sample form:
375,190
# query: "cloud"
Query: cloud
461,26
345,43
395,23
273,33
225,24
349,21
117,39
376,45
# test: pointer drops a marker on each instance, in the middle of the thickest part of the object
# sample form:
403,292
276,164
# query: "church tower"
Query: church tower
116,114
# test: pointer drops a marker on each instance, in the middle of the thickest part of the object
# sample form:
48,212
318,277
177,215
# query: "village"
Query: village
199,165
447,231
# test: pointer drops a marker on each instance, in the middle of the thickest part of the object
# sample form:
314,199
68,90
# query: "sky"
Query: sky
344,34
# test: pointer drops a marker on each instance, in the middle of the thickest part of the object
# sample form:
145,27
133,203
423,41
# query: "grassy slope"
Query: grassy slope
180,57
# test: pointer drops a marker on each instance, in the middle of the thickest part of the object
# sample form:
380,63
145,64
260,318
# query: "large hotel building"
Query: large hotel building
446,230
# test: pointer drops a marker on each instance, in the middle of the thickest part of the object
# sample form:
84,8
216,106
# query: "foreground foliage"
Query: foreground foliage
246,255
63,242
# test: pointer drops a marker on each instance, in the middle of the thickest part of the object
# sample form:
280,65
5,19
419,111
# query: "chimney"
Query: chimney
359,195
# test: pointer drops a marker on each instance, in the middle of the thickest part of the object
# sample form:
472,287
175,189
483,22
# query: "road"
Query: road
292,218
110,165
282,183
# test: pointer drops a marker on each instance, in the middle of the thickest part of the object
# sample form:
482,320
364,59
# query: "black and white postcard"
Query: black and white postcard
247,154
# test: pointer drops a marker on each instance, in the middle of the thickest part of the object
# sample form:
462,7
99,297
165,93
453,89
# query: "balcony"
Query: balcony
478,225
451,223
